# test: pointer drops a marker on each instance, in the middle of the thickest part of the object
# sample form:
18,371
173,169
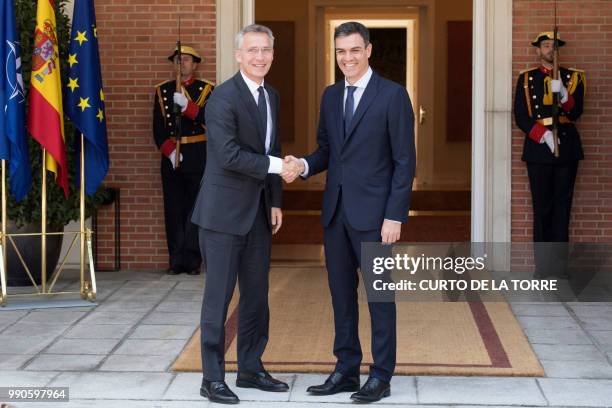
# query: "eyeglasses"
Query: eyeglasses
266,51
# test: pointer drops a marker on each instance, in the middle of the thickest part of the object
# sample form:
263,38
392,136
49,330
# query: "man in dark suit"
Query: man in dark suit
366,144
237,211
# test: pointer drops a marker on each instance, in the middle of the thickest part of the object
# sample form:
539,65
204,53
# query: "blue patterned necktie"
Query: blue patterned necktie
349,106
263,109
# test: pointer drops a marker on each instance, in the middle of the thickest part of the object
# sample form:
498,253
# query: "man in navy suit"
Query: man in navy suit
366,144
237,211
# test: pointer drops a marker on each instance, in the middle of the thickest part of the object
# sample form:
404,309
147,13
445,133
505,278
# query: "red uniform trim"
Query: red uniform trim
192,110
569,104
537,131
167,147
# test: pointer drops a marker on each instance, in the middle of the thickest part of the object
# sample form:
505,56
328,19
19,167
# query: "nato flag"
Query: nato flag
13,142
84,98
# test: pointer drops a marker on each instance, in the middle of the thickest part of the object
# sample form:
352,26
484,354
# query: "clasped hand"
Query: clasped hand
292,168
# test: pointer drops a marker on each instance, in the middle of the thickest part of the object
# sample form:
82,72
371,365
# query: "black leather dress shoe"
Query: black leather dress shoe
173,271
218,391
194,271
373,390
335,383
261,380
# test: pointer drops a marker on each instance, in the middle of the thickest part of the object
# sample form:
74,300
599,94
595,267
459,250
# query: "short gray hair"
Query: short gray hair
253,28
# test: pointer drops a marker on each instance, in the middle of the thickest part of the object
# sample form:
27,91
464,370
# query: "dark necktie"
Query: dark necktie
263,109
349,106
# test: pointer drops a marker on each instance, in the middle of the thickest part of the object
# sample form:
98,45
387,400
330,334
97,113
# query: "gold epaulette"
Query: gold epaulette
163,82
577,70
207,81
527,70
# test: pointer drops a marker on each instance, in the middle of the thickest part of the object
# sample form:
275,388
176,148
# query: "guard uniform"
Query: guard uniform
551,179
181,185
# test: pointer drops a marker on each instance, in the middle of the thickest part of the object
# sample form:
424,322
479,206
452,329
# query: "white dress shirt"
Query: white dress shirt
276,163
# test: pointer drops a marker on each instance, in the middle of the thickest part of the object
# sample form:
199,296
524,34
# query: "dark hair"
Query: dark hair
352,27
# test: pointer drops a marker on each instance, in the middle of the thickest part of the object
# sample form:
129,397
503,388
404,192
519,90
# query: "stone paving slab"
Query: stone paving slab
53,316
185,296
540,309
26,378
545,322
99,385
577,369
603,338
134,306
97,331
64,362
137,363
14,361
151,347
563,352
19,329
557,336
174,306
577,393
163,332
112,317
82,346
172,318
24,344
479,390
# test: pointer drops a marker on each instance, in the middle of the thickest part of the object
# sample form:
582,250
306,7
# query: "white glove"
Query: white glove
548,139
557,86
172,158
180,100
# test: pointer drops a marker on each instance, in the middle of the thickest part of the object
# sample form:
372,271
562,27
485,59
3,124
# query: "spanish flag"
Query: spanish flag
45,115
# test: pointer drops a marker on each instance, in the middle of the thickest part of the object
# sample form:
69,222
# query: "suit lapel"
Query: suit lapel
364,103
248,102
273,109
338,111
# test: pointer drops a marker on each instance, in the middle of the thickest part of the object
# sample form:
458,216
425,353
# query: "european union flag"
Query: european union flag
13,142
84,101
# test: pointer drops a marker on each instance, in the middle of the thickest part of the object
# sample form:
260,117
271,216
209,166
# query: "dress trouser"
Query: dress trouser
180,191
552,190
343,257
245,258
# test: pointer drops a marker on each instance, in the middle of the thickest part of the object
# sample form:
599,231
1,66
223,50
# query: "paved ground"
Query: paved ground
118,354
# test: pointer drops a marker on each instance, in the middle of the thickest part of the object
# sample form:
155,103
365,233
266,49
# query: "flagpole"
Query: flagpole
82,199
43,224
3,266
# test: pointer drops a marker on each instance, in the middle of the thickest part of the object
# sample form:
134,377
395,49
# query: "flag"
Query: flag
45,116
13,142
84,101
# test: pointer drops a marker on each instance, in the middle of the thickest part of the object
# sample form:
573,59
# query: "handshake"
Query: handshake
292,168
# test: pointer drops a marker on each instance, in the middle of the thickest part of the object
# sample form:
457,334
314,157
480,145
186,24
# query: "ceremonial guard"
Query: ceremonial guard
546,109
181,173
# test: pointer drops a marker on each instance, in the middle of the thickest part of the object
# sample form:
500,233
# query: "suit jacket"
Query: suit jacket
236,163
374,164
533,102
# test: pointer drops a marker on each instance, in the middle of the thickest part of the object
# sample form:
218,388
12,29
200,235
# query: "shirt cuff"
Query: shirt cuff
537,131
167,147
569,104
191,110
398,222
305,173
276,165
